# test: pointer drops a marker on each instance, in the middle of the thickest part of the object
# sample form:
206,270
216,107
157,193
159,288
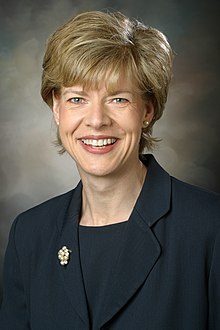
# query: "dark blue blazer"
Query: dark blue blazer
167,277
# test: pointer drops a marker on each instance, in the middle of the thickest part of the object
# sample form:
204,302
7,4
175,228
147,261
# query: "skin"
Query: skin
101,131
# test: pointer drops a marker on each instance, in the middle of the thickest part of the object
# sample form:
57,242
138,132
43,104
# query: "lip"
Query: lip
95,149
97,137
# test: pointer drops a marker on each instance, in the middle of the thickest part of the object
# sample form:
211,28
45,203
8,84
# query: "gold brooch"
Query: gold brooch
64,255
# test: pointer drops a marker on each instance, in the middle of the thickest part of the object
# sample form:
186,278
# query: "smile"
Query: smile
98,142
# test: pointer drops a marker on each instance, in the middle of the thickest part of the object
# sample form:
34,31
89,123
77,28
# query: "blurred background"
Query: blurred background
31,171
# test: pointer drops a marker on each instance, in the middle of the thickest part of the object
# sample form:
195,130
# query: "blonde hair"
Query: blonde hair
94,44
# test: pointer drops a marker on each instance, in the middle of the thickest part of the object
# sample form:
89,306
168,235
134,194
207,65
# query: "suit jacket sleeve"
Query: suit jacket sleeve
214,287
13,313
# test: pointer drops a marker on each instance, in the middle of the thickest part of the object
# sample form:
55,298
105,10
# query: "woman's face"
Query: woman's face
102,130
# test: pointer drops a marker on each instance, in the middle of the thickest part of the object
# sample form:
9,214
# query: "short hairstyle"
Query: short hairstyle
94,44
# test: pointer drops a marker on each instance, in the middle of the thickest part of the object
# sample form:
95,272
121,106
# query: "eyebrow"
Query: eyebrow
79,92
83,93
120,92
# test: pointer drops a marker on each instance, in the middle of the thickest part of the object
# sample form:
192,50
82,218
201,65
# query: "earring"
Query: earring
145,123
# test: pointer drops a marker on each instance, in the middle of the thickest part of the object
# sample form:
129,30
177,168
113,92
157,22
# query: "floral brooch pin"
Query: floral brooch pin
64,255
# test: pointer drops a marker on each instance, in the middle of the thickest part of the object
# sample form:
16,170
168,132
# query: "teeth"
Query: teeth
98,143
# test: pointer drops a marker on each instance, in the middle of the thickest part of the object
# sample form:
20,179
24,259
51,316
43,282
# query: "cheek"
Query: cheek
68,121
135,122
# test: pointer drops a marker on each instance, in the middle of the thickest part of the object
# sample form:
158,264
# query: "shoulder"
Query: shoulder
48,208
43,219
183,202
194,194
195,204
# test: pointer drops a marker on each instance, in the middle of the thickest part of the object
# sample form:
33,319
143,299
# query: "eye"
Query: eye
120,100
76,100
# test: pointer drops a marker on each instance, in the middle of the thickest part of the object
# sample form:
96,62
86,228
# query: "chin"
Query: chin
97,171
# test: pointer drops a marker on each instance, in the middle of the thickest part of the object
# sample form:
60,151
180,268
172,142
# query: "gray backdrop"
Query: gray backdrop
30,168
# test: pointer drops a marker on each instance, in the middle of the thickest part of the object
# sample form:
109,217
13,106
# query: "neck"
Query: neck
108,200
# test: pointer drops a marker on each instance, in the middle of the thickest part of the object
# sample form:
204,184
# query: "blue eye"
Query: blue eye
120,100
76,100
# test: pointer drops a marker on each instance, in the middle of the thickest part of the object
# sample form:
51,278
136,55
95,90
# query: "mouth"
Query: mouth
99,143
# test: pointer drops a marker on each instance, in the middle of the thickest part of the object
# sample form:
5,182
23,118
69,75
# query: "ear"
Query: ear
149,111
55,108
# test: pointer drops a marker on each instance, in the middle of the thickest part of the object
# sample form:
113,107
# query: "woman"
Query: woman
130,247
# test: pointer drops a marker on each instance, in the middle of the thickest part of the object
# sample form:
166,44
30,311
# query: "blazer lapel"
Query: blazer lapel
71,274
140,249
138,256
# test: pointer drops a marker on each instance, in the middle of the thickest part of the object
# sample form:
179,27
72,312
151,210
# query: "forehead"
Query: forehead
109,82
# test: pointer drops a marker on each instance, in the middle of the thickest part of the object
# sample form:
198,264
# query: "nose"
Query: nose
97,116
